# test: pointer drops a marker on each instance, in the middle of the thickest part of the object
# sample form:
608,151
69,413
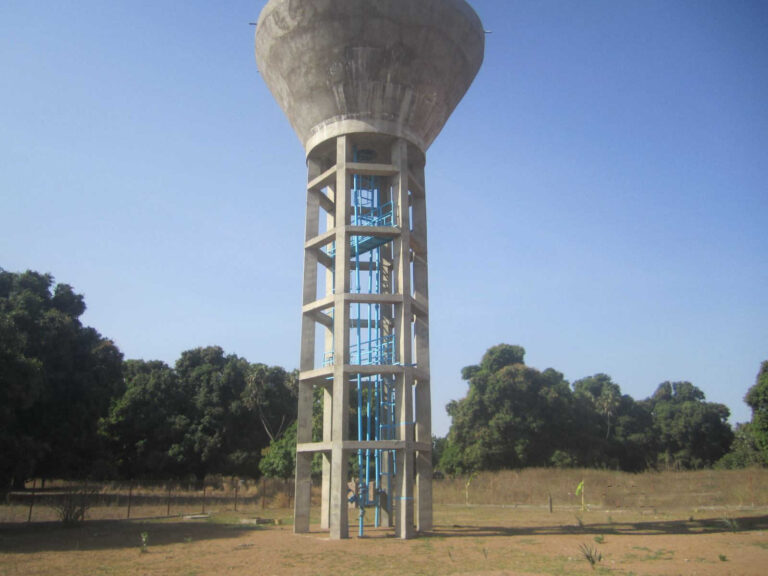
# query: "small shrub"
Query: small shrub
591,554
729,524
600,539
144,542
562,459
73,505
723,557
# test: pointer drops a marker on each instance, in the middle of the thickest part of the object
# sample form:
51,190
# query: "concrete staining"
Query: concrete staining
367,85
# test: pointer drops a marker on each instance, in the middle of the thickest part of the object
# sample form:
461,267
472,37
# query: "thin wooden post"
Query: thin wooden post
130,498
32,500
237,487
288,486
263,492
168,502
204,489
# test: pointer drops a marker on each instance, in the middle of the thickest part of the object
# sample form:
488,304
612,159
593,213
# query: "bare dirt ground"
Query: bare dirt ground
477,540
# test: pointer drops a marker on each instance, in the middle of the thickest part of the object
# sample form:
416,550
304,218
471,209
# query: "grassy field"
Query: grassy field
670,523
604,489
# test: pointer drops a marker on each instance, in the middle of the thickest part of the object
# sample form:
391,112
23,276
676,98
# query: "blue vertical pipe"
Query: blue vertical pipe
356,250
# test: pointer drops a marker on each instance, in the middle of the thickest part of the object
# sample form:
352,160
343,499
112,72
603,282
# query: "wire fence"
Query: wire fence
60,500
603,489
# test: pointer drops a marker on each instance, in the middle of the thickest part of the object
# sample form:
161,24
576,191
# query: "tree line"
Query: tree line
515,416
72,407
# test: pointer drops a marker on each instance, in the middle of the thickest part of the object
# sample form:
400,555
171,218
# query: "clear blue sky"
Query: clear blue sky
600,197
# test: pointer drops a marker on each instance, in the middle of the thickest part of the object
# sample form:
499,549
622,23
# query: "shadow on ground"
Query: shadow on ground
650,528
126,534
111,534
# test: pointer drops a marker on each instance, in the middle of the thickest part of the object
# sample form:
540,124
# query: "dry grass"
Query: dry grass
692,491
665,523
604,489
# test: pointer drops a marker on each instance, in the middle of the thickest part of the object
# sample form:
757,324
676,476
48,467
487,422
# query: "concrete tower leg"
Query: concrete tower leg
325,498
339,524
403,316
325,489
423,422
307,362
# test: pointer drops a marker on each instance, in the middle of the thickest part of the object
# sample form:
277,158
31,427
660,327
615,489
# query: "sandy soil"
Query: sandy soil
487,541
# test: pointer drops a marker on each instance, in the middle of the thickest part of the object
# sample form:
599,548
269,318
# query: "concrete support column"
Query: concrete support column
303,481
403,317
339,524
325,488
423,422
303,463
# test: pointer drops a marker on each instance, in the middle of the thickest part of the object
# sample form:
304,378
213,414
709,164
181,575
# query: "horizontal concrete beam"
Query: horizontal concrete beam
370,169
353,445
317,305
321,240
325,179
378,231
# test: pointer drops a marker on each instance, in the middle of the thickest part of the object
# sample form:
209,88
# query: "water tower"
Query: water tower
367,85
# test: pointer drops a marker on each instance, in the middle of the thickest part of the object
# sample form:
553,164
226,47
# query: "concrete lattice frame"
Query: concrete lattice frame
329,182
380,75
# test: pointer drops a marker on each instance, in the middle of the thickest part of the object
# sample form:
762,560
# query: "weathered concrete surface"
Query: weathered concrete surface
398,67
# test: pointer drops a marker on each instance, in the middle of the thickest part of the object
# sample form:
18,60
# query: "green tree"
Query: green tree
691,433
235,408
513,415
757,400
270,392
634,443
21,382
58,379
613,429
744,452
278,459
213,414
147,423
214,383
497,357
439,444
